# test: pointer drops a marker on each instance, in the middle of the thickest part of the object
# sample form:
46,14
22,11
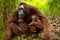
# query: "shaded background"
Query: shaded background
50,8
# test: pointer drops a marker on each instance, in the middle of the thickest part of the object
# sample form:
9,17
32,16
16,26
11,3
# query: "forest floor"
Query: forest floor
55,22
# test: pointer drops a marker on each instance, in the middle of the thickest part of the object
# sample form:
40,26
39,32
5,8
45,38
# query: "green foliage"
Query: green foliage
1,19
28,38
1,28
1,6
16,38
54,7
6,6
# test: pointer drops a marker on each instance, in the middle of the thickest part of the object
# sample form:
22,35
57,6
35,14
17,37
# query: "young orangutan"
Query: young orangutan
35,25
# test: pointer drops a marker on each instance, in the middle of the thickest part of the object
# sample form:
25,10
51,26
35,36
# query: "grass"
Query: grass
28,38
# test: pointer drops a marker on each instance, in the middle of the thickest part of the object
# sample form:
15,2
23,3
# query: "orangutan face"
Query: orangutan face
21,10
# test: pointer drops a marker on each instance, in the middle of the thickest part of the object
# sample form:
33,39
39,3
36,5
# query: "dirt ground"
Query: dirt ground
55,22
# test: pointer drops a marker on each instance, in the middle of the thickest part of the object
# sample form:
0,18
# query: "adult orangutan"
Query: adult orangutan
31,10
21,19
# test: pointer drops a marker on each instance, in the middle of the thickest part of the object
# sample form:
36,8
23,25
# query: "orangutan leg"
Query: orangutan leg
8,32
7,35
